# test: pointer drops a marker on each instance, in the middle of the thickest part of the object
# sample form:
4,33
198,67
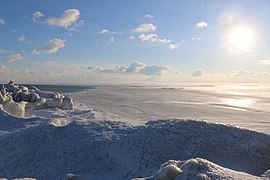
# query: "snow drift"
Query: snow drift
73,144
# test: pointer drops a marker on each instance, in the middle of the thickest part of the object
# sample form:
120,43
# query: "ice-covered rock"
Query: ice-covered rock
266,174
76,177
67,103
13,108
53,103
196,168
16,99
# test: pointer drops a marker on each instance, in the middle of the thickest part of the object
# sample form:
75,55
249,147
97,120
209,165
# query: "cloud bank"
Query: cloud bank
51,47
134,68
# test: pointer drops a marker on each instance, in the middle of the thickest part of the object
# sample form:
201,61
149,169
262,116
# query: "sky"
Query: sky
125,41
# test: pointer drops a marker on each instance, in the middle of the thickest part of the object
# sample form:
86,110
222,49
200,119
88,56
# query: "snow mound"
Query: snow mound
195,168
67,143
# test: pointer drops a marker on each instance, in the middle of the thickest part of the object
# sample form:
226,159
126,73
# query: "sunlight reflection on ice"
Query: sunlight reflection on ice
244,103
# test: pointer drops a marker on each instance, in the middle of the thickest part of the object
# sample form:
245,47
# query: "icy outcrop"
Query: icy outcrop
196,168
266,174
17,99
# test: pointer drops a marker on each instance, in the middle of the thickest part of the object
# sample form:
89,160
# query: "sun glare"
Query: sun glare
241,38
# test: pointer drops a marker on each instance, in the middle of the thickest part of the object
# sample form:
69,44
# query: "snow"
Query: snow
91,143
196,168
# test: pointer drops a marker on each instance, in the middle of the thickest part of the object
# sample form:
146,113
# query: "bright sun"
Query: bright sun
241,37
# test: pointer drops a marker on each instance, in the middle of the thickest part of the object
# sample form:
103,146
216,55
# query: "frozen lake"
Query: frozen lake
242,105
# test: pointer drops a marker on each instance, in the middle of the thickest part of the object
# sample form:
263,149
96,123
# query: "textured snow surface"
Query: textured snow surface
71,144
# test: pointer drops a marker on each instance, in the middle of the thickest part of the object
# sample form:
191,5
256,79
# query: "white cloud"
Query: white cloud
173,46
23,39
135,67
2,21
103,31
153,38
195,38
36,16
149,16
51,47
155,70
264,61
13,58
142,28
132,37
202,24
197,73
67,19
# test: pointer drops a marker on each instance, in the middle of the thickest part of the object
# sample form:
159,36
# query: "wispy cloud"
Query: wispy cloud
149,16
36,16
264,61
51,47
103,31
142,28
201,24
77,25
2,21
110,40
153,38
13,58
23,39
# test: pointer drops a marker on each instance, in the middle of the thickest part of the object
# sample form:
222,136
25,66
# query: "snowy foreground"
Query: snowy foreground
108,135
61,144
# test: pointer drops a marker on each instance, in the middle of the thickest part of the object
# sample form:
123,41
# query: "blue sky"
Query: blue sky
98,41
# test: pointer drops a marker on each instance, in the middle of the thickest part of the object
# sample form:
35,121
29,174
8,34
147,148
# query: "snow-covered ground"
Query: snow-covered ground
108,136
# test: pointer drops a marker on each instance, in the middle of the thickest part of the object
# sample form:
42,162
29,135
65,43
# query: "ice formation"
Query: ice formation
17,99
195,168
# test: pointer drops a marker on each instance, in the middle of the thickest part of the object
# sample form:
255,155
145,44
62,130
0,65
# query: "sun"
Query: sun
241,38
